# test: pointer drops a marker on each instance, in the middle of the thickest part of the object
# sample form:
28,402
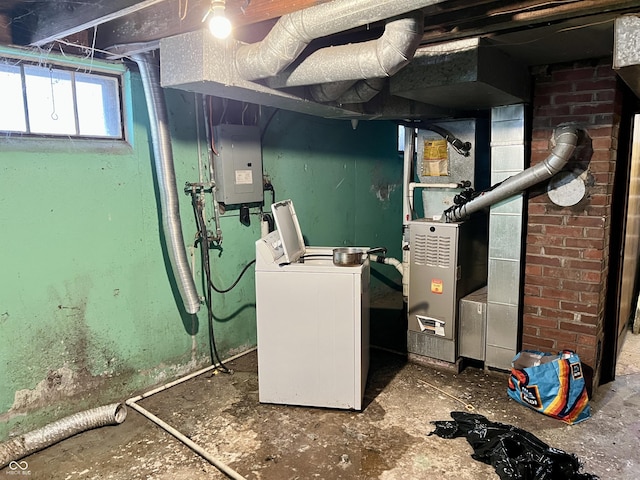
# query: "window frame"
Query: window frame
83,65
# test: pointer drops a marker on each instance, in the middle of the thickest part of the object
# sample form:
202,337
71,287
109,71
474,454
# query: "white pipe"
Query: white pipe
414,185
227,470
407,175
409,136
388,261
169,429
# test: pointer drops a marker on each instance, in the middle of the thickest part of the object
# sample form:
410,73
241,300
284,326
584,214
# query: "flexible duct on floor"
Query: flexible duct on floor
293,32
31,442
566,139
166,177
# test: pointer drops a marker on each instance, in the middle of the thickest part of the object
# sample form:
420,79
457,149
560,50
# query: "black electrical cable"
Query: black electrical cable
202,238
246,267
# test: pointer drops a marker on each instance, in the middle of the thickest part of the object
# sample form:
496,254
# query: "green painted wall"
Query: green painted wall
87,312
345,183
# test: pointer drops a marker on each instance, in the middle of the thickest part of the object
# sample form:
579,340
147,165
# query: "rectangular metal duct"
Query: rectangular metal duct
465,74
197,62
626,50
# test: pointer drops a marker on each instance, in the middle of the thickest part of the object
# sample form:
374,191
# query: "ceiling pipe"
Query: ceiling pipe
363,91
293,32
166,178
330,91
566,139
378,58
355,92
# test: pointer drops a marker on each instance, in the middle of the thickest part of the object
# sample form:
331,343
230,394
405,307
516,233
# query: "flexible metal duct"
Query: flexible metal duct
293,32
566,139
362,91
44,437
357,61
166,177
348,92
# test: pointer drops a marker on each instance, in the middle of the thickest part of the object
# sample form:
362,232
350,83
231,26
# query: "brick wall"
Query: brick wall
567,248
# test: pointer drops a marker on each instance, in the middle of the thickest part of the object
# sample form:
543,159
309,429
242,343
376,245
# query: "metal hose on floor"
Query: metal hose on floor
44,437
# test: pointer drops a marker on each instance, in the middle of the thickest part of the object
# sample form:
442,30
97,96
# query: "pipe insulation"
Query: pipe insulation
20,447
166,178
565,139
293,32
358,61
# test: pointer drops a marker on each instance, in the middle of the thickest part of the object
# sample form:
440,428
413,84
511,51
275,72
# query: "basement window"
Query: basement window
59,100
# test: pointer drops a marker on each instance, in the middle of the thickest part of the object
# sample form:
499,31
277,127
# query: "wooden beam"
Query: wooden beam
55,20
483,18
173,17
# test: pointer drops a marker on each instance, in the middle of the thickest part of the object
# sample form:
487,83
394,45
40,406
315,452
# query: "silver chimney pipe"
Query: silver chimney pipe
166,177
566,139
293,32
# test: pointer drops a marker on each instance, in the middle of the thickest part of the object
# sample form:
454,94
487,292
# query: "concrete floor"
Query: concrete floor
387,440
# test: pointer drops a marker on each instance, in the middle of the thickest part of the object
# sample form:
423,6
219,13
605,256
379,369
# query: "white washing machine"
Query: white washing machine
312,320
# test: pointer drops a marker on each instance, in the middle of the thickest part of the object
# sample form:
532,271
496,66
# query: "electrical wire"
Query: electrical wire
246,267
202,238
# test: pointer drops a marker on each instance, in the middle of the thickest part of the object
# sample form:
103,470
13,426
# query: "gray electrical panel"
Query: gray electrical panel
238,164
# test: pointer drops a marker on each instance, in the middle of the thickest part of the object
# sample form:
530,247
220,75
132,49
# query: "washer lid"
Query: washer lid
289,228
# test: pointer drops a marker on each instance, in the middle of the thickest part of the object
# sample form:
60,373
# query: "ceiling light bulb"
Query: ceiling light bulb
219,24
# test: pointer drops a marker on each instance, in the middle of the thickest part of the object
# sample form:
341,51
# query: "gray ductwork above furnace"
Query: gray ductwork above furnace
343,81
465,74
626,50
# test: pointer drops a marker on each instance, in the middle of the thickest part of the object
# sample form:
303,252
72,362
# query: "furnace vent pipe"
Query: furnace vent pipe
566,139
23,445
293,32
358,61
166,177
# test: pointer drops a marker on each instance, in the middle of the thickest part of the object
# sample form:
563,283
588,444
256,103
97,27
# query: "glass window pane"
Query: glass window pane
50,101
98,105
12,117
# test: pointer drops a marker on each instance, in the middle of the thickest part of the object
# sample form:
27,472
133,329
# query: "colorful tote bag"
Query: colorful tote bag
550,384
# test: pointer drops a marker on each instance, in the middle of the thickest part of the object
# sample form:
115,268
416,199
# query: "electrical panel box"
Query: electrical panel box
238,164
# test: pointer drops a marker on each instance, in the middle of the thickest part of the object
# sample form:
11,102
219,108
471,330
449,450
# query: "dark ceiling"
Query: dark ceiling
533,31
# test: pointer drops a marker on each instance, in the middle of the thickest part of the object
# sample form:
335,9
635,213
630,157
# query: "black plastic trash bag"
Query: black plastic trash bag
513,452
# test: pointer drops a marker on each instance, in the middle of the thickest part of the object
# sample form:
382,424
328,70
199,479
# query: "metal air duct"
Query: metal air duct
348,92
359,61
166,177
566,139
293,32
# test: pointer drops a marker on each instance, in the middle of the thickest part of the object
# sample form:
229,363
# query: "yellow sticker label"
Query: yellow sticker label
436,286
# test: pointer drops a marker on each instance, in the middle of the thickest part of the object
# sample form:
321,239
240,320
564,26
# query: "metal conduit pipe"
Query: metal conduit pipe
293,32
566,139
358,61
19,447
166,177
